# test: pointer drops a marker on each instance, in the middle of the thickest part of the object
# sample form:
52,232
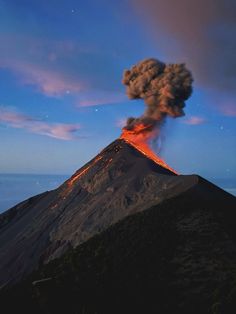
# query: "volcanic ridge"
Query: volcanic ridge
124,234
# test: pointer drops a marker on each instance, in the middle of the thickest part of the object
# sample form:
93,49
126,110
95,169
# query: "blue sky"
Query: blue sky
61,65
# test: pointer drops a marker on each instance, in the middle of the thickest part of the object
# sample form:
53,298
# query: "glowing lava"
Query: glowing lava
139,138
83,171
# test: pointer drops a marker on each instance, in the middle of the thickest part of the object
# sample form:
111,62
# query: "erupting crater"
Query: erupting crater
139,138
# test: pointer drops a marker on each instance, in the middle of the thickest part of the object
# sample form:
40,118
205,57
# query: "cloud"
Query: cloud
13,118
200,33
56,67
229,109
225,103
194,120
49,82
120,123
60,131
57,130
95,98
41,63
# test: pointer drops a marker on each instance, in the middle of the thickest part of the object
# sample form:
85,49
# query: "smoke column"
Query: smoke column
164,89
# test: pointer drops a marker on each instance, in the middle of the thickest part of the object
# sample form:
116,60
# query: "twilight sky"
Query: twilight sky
61,64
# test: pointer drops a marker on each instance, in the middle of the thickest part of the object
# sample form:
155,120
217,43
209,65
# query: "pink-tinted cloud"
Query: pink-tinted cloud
49,82
56,68
56,130
41,63
100,98
12,117
229,109
194,120
60,131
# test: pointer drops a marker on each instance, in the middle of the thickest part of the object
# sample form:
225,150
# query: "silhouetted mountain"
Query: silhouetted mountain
122,235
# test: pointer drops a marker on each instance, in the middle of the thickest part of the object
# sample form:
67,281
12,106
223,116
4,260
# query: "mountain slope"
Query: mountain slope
117,183
176,257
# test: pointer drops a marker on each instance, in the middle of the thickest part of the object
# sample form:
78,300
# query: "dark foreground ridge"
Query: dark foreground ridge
169,250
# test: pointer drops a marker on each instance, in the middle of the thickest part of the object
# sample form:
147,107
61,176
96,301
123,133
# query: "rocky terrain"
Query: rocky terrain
122,235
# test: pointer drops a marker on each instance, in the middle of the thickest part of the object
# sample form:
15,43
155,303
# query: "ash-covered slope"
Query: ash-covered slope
119,182
177,257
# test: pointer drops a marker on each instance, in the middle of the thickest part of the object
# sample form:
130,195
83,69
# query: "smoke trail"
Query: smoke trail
164,89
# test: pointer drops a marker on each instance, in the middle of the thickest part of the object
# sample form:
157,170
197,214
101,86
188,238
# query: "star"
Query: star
221,127
96,110
72,11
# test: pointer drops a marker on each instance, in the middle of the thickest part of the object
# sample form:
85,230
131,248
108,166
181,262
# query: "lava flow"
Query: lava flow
139,137
77,176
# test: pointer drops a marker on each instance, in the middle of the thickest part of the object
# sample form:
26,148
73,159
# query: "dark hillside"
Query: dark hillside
176,257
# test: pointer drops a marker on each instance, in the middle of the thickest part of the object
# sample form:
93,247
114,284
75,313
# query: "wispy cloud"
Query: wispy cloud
120,123
194,120
229,109
60,131
95,98
56,68
48,82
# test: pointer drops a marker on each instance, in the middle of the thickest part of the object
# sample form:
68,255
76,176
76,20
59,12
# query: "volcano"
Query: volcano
123,234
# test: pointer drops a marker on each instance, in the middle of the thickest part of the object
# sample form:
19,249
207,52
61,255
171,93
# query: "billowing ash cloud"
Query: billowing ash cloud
163,87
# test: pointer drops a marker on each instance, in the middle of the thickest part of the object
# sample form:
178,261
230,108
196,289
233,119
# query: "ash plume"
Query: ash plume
203,33
163,87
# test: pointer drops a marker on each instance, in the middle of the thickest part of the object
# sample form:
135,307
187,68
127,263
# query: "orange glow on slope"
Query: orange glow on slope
108,163
138,138
76,177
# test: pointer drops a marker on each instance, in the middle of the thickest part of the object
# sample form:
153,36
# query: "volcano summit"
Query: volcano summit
123,234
